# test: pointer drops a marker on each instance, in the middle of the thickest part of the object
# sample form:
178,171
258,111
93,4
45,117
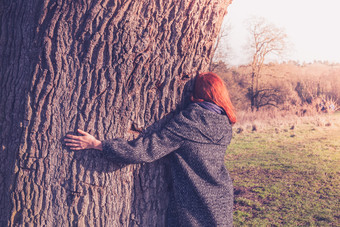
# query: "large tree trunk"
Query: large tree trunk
108,67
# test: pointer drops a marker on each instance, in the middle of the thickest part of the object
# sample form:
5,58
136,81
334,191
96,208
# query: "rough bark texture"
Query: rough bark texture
110,68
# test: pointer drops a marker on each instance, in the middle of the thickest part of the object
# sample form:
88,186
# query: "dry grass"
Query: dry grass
273,118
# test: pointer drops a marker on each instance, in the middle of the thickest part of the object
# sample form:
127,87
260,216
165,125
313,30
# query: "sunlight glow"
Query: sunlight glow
312,27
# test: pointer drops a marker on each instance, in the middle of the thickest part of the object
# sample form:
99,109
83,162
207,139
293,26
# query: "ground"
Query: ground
287,174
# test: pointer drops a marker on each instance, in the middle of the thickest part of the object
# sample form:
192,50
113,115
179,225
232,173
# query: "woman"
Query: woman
196,139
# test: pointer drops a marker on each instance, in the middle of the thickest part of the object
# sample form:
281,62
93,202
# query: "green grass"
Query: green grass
287,177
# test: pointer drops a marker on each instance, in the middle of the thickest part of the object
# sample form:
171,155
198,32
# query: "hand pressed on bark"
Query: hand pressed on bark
86,141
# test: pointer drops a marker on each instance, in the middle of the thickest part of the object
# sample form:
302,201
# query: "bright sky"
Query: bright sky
312,26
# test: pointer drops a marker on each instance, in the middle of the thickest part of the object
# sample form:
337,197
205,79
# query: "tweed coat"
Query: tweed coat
196,140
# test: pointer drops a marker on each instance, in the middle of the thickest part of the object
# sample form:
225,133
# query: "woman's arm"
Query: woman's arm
86,141
146,148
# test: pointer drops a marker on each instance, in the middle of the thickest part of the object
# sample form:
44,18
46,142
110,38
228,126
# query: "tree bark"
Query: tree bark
110,68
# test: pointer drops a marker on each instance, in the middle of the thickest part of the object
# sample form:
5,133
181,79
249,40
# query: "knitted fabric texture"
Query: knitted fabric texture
196,140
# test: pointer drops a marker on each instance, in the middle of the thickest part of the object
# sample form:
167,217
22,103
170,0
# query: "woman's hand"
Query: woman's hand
86,141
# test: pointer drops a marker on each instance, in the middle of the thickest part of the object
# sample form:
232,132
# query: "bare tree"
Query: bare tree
221,48
266,40
110,68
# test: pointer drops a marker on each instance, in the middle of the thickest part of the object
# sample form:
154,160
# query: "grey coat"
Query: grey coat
196,139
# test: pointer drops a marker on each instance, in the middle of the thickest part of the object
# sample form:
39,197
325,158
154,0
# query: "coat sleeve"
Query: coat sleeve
145,148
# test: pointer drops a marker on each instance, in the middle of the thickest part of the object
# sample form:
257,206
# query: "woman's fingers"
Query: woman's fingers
72,144
72,136
71,140
76,145
77,137
82,132
85,141
76,148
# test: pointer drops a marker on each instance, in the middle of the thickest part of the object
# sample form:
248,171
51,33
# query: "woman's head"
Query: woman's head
210,87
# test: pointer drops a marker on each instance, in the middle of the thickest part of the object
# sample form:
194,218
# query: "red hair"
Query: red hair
211,88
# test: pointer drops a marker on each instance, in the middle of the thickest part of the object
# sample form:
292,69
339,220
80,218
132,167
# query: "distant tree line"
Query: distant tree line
285,86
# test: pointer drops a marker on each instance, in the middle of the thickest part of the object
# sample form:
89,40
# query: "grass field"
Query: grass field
287,174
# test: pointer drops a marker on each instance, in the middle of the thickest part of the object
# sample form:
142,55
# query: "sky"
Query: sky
312,26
